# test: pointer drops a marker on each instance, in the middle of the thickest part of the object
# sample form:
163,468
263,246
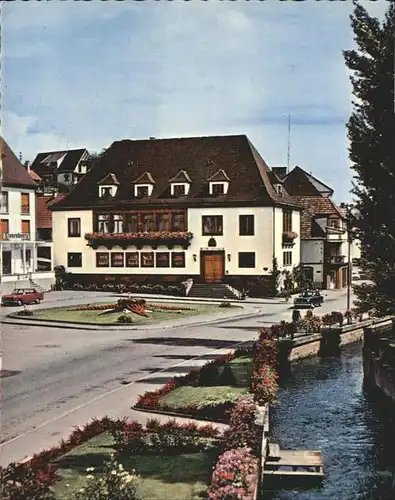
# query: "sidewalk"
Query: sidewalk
115,404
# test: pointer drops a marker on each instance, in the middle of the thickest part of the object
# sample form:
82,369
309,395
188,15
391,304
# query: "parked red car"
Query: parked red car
21,296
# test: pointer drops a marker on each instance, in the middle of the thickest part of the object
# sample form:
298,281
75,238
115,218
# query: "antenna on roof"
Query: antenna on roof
289,128
20,156
289,142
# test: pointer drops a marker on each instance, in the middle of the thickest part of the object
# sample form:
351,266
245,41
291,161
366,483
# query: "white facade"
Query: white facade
266,243
18,240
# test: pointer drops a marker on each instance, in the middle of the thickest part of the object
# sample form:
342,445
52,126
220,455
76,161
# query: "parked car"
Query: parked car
309,299
355,277
21,296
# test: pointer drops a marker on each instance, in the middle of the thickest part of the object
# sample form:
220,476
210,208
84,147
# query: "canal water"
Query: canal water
323,406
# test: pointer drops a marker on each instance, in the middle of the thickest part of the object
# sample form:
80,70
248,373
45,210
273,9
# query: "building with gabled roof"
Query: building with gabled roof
19,266
324,240
61,168
206,208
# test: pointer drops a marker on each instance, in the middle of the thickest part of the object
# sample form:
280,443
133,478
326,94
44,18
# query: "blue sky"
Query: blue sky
83,74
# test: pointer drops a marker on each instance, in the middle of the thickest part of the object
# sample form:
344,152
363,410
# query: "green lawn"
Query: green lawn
97,317
189,395
179,477
242,370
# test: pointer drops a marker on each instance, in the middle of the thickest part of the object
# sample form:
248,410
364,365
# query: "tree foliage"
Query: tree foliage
371,132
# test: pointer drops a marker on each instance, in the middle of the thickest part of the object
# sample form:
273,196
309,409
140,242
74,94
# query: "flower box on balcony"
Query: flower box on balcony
289,237
153,238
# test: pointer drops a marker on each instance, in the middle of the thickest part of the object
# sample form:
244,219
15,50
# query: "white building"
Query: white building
206,208
18,227
324,236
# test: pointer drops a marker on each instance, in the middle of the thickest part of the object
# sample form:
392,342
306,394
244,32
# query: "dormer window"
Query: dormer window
108,186
218,183
180,184
144,185
179,190
141,191
217,188
106,192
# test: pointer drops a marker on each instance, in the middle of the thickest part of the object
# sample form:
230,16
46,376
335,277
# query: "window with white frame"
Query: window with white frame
287,258
143,190
218,188
117,223
106,192
103,223
178,190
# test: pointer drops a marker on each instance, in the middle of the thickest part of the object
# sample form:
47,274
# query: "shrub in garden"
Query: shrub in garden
113,484
242,430
327,320
25,312
23,483
337,317
310,323
209,375
234,476
125,318
169,438
264,385
224,304
227,377
266,349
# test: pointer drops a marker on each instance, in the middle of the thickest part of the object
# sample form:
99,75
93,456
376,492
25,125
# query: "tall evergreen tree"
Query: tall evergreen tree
371,132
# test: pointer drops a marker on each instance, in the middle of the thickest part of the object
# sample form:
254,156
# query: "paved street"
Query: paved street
54,378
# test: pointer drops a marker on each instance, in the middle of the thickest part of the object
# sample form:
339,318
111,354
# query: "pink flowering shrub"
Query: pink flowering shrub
264,385
242,430
234,476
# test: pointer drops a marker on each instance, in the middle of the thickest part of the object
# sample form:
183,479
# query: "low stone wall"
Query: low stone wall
262,421
310,345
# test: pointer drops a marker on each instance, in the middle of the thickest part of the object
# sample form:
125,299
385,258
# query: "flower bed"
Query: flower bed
217,374
123,436
108,313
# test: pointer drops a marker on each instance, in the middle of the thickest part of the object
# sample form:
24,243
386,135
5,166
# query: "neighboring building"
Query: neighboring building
324,245
207,208
44,229
18,226
61,169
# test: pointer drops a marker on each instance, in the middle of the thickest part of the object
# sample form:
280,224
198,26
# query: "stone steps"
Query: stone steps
212,291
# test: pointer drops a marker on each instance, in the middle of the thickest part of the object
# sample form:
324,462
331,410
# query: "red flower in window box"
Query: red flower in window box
289,236
183,236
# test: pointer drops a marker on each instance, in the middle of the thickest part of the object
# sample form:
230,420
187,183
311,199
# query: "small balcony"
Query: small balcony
153,239
338,260
289,237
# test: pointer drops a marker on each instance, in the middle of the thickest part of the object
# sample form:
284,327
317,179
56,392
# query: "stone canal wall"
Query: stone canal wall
330,338
379,358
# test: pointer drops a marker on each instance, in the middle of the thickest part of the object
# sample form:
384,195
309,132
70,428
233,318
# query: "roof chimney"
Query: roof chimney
281,172
27,166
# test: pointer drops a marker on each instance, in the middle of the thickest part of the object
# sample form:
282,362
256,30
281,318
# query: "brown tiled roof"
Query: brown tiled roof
249,184
14,173
109,179
313,208
43,214
219,176
34,175
182,176
145,178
